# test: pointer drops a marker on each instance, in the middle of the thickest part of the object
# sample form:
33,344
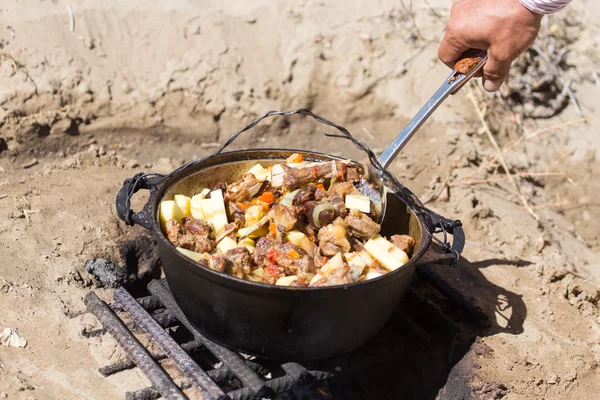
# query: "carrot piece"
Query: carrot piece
320,186
267,197
293,254
272,228
243,206
294,158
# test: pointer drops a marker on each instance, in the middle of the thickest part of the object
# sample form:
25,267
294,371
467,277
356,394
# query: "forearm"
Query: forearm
544,6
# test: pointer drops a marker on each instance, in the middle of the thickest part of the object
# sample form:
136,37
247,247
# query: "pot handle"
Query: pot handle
450,253
143,218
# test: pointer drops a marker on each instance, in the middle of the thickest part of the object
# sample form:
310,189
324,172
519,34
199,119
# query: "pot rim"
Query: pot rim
194,267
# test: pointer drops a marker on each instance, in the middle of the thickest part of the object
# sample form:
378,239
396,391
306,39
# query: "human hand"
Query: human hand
504,28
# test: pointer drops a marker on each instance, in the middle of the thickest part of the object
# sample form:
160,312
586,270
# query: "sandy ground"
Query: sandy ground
143,85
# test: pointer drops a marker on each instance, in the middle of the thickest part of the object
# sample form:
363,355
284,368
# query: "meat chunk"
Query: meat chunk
260,250
220,186
341,189
298,177
320,194
196,226
404,243
340,276
292,258
192,235
174,231
244,190
227,230
218,263
304,195
333,238
286,257
271,273
325,216
236,213
361,226
238,261
352,174
202,244
284,217
339,206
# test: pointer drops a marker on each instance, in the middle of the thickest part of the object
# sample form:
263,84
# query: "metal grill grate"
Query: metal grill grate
220,373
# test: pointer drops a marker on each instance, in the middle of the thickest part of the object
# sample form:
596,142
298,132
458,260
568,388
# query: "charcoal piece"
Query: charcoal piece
106,273
140,255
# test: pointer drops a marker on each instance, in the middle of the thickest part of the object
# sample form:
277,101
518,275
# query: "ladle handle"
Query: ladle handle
464,69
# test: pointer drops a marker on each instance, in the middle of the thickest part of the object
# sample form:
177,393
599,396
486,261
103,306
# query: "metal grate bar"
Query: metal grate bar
245,374
128,364
183,361
165,318
142,358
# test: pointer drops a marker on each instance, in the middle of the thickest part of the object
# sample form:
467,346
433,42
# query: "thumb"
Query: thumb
495,72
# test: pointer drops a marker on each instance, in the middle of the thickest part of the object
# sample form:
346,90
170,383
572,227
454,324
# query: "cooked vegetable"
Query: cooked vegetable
248,243
196,206
219,217
226,244
260,173
288,199
277,174
286,280
191,254
358,202
334,263
386,253
372,273
322,214
254,214
294,159
297,223
253,229
183,202
169,210
301,240
356,263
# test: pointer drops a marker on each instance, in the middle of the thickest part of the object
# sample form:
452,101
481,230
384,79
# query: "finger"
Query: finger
495,72
451,49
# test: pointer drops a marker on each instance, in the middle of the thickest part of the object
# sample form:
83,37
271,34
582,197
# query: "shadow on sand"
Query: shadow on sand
425,341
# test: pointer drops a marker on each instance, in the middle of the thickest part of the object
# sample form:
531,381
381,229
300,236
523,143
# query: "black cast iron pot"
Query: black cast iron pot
291,323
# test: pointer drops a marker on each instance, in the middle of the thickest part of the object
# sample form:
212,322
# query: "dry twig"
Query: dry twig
8,283
445,183
552,205
514,183
555,164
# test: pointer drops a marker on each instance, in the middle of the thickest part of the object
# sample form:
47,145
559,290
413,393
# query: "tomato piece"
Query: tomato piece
272,256
272,270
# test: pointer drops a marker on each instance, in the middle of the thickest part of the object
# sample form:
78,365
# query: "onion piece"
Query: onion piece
289,198
245,232
318,210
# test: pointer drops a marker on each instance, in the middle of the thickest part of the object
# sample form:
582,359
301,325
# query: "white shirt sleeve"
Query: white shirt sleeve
545,6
